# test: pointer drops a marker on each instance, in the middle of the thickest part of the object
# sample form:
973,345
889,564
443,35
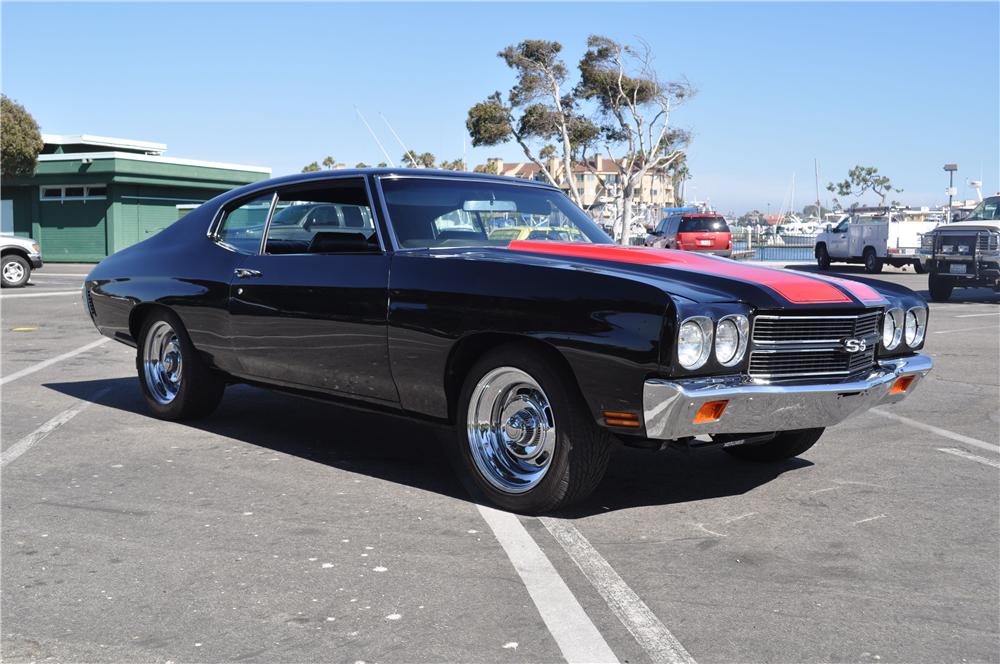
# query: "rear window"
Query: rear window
703,225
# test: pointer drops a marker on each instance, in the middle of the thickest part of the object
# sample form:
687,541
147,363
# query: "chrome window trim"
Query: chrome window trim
220,214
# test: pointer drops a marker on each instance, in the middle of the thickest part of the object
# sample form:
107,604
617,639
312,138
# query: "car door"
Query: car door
309,309
837,242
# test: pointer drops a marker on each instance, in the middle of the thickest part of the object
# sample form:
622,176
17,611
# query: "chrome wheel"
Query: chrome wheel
13,272
162,362
511,430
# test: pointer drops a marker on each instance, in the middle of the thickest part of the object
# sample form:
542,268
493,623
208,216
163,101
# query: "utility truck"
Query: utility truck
873,237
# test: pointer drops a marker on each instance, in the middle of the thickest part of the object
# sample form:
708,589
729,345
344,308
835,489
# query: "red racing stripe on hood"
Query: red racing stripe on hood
795,287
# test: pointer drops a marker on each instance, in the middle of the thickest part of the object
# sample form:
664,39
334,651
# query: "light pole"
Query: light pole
951,168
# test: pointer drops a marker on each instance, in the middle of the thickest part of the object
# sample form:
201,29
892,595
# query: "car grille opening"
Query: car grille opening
794,347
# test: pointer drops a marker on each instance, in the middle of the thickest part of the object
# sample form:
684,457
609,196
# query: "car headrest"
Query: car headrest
333,242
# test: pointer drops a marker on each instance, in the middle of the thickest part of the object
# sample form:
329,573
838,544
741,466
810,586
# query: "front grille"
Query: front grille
957,245
791,347
988,242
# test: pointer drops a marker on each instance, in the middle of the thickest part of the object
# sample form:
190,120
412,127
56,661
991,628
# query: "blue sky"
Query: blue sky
904,87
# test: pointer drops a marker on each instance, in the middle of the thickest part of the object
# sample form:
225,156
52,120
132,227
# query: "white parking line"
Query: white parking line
661,646
18,296
994,313
23,445
53,360
975,442
966,329
970,457
572,629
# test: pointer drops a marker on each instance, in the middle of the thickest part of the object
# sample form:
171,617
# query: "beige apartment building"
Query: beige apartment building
656,190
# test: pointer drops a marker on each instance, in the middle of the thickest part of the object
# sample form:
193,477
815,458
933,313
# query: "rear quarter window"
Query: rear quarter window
703,225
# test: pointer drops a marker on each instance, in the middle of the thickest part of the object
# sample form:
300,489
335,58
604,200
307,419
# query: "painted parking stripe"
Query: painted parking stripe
966,329
994,313
661,646
53,360
36,436
19,296
572,629
975,442
970,457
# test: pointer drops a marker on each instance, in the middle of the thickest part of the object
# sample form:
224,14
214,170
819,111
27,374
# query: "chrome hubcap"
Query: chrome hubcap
13,271
511,430
162,362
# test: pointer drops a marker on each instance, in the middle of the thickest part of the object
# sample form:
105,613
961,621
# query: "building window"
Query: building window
73,193
611,178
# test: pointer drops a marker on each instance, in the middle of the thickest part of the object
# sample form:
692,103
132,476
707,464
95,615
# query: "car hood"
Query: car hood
13,240
697,277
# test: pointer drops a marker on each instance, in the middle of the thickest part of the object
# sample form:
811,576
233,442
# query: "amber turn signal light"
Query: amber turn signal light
617,418
902,384
710,411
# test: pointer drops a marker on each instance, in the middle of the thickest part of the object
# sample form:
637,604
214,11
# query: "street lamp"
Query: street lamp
951,168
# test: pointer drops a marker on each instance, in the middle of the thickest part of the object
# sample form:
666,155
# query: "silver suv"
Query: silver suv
18,257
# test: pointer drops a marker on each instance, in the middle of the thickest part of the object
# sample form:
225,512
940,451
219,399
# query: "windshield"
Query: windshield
436,212
988,210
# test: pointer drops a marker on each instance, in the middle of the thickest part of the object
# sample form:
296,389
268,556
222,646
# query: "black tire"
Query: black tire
918,267
822,257
785,445
14,271
940,288
581,448
199,389
873,264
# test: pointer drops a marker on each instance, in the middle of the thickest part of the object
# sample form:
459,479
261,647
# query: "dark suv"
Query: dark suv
964,254
693,231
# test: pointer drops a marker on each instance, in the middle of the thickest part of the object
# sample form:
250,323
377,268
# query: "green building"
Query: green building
91,195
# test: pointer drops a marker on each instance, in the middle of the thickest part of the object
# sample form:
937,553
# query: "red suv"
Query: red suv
693,231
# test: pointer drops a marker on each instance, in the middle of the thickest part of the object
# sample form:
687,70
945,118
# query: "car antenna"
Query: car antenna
413,159
378,142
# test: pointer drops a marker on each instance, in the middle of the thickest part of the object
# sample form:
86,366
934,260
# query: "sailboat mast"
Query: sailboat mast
819,207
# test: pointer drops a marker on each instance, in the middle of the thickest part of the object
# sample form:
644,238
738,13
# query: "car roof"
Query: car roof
967,225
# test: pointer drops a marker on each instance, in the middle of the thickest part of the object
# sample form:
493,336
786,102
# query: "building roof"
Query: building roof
76,156
126,144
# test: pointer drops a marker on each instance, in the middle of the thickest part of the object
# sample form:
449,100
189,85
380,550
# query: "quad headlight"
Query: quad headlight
892,328
731,335
915,326
694,342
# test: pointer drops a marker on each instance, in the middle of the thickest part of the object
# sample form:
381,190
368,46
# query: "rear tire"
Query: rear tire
918,267
822,257
525,435
176,383
940,288
785,445
873,264
14,271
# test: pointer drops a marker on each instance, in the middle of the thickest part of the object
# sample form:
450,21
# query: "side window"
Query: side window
243,226
328,217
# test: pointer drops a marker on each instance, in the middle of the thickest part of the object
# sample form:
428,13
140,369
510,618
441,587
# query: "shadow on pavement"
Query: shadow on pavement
412,453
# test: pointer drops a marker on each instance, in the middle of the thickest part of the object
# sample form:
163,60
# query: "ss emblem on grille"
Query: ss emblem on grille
855,345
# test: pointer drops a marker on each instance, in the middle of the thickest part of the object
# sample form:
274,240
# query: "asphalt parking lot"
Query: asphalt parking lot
287,530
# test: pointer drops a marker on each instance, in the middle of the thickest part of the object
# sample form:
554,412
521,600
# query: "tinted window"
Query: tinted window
430,212
988,210
243,225
703,225
329,217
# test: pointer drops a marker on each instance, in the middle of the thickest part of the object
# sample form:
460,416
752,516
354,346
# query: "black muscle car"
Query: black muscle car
393,289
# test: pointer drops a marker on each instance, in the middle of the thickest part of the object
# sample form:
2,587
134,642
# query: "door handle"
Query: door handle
244,273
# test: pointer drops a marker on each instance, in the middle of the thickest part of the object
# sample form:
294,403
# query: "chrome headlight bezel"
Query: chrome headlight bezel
706,327
742,325
891,337
919,317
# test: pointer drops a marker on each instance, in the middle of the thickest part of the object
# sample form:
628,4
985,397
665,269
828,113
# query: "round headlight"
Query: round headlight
727,341
694,339
892,331
915,326
731,337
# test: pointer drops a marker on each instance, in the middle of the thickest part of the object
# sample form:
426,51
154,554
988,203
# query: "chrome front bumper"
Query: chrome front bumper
670,407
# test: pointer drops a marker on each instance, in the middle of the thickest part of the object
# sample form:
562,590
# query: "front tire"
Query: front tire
873,264
14,271
525,435
176,383
822,257
940,288
785,445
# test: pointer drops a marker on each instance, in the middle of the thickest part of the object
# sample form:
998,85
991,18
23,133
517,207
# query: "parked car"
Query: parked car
18,257
873,237
693,231
539,354
553,233
965,254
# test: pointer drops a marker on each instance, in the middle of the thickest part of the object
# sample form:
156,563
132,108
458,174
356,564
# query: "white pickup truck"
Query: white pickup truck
873,238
